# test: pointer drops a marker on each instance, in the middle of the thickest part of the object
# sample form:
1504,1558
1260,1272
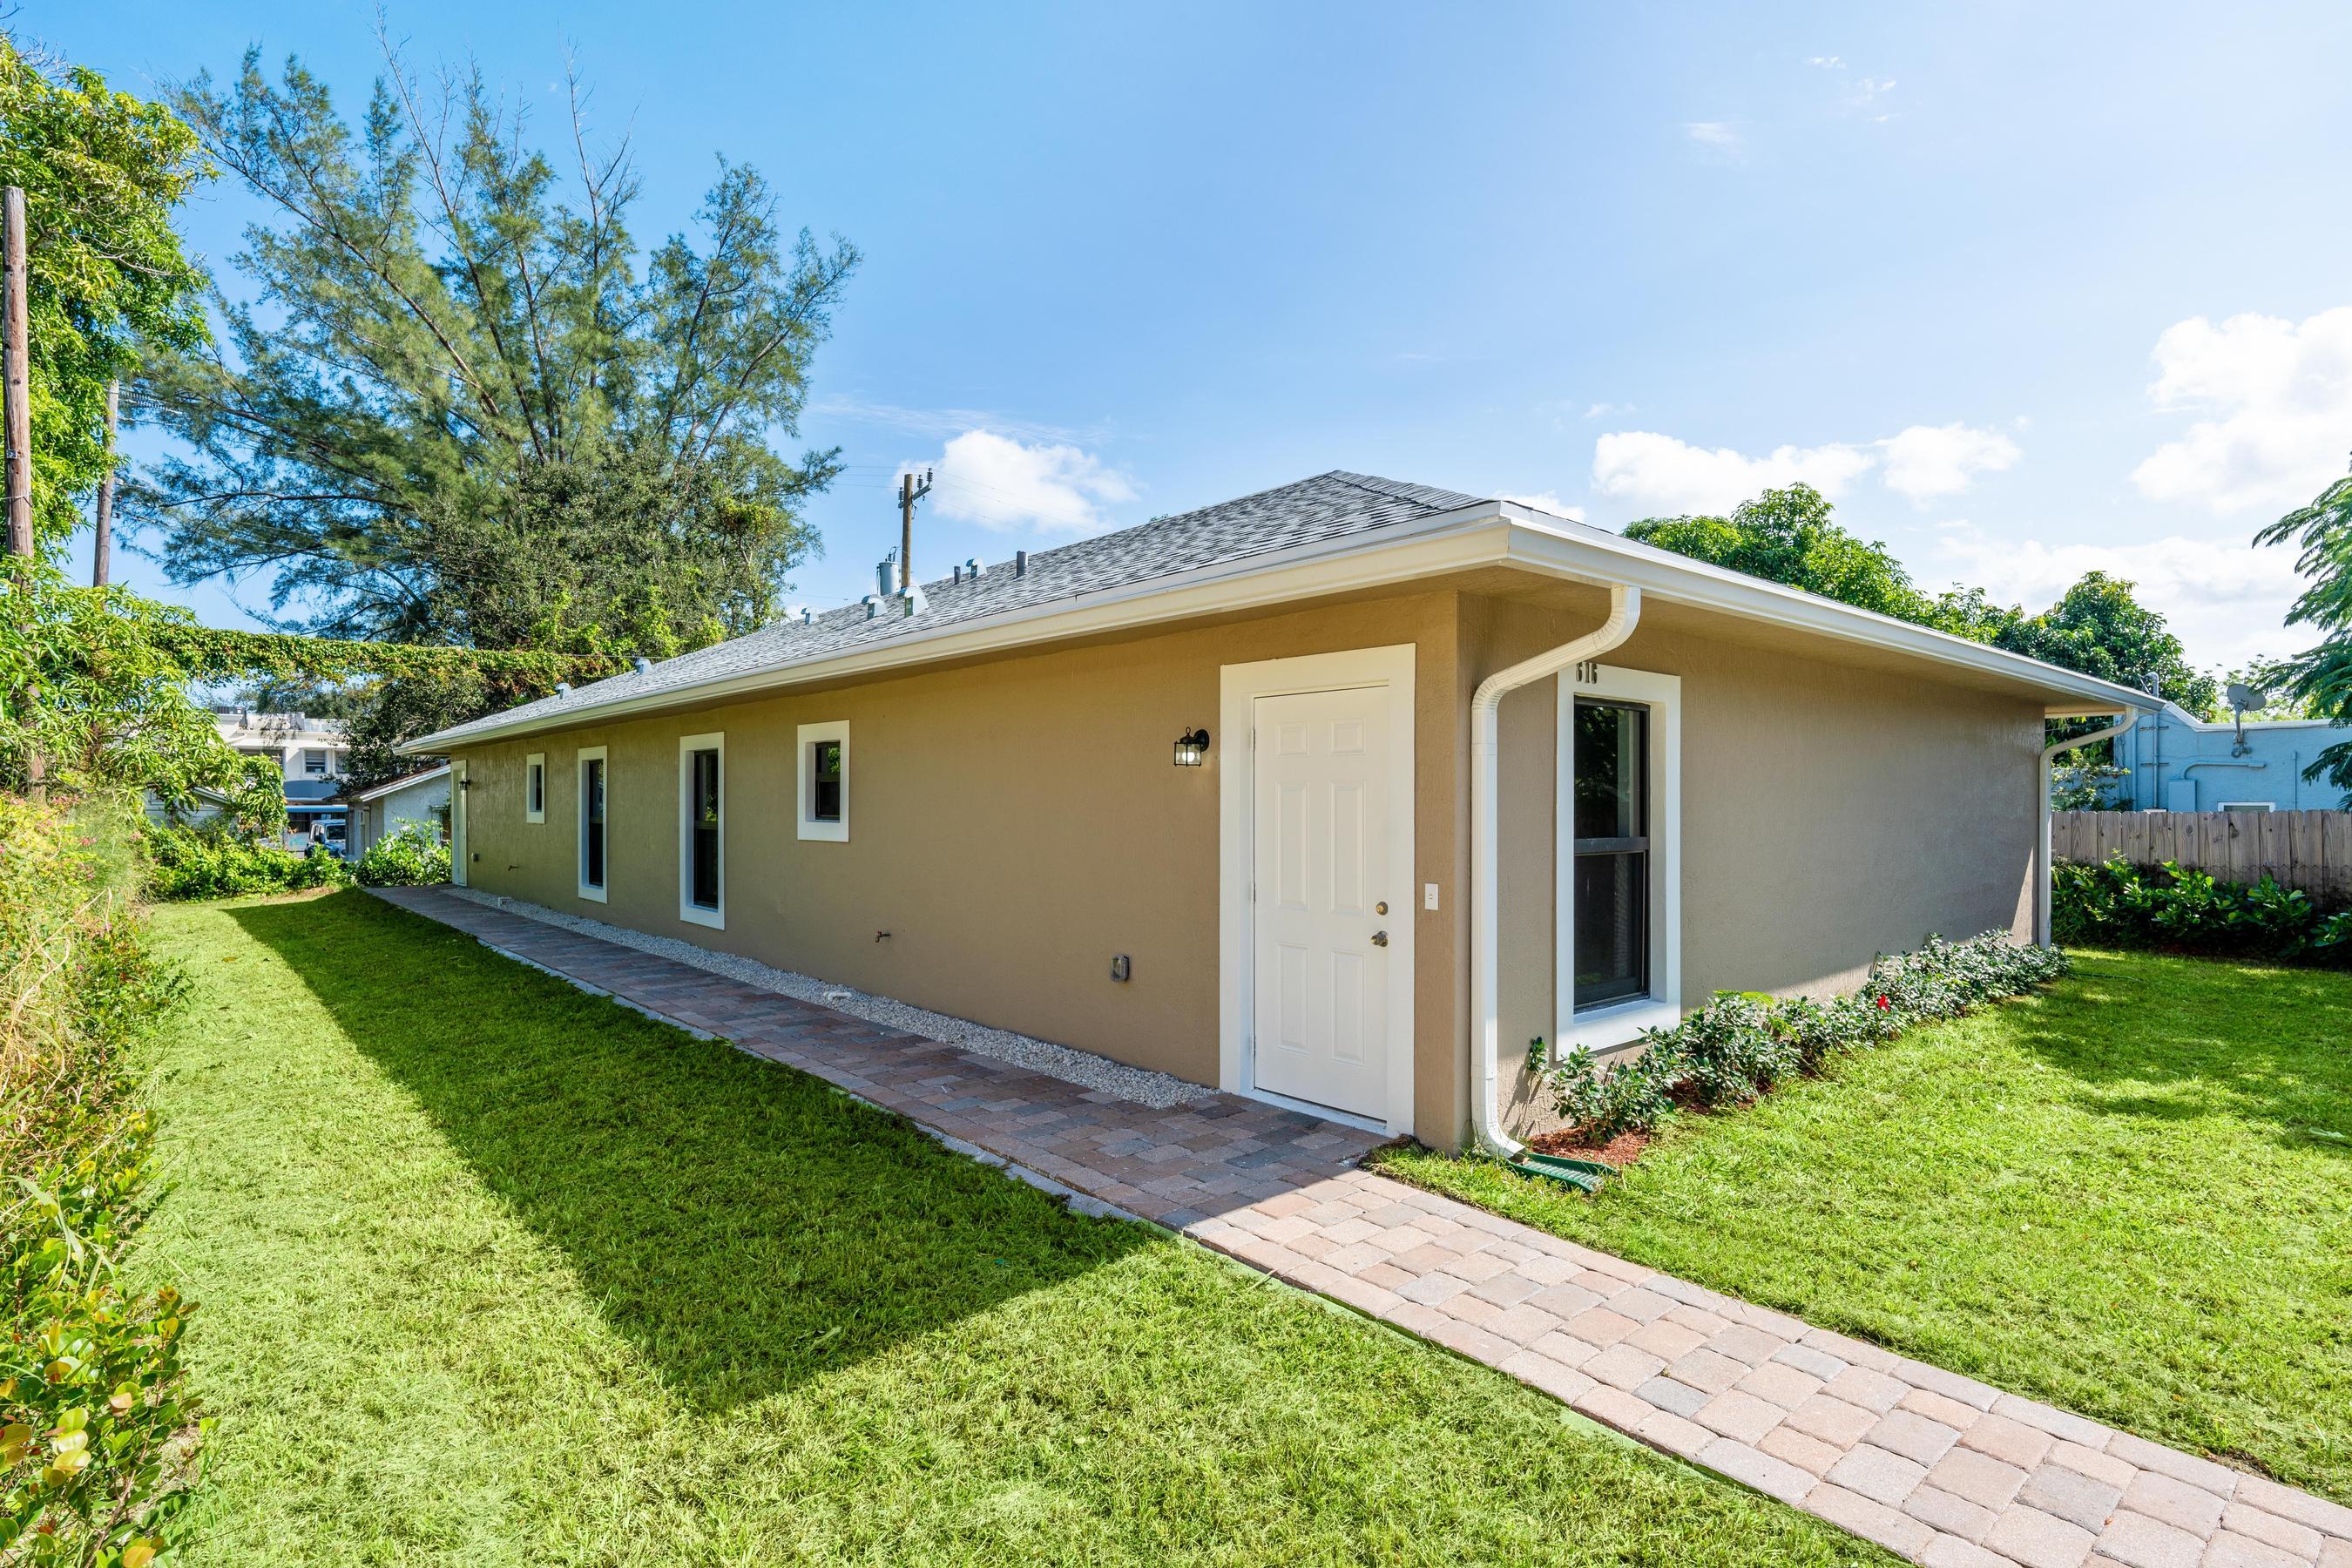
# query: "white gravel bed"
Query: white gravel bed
1156,1090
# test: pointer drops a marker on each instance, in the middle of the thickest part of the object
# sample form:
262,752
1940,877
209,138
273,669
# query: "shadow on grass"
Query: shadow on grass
744,1226
2180,1039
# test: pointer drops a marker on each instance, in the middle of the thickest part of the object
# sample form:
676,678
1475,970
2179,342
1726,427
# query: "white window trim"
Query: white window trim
536,760
828,832
460,830
580,761
1622,1023
688,910
1239,688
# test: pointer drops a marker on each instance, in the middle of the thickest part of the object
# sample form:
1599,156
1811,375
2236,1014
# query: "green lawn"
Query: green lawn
2131,1196
495,1272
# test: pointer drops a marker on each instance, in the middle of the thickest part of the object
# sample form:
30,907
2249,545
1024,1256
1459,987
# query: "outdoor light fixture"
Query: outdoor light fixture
1192,747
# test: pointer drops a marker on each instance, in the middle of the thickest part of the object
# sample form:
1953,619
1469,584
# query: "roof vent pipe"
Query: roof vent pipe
641,664
915,603
873,605
563,689
1021,563
974,569
2044,869
1486,900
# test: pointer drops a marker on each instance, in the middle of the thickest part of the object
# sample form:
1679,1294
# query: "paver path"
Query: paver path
1939,1467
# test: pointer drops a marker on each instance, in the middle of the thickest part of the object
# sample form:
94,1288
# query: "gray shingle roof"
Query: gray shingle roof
1321,508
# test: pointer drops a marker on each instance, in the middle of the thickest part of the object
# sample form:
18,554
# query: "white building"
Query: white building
418,798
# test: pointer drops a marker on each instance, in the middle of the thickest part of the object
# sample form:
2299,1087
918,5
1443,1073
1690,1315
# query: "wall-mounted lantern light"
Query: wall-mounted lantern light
1192,747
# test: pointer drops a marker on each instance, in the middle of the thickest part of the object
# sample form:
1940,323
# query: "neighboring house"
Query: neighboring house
2174,761
1240,794
309,755
419,799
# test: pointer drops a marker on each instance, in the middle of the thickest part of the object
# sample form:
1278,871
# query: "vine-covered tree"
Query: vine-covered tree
457,405
101,171
2321,678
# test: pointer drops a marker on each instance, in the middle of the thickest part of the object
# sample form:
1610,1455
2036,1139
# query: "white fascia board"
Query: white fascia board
1599,557
1484,534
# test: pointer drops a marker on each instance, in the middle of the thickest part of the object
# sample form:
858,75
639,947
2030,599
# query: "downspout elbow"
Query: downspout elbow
1486,900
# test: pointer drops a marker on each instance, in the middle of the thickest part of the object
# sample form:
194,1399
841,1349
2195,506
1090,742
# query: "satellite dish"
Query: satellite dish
2247,699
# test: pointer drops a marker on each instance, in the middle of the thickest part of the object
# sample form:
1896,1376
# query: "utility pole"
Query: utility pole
15,380
105,541
18,349
909,494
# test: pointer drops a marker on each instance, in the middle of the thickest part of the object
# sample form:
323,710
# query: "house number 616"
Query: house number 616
1588,673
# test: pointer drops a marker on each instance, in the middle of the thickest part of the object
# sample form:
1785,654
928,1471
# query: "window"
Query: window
591,824
314,762
1617,887
701,808
2252,805
1612,811
824,781
534,787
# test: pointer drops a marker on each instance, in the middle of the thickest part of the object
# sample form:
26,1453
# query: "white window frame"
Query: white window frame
535,764
580,761
688,910
1622,1023
810,827
326,763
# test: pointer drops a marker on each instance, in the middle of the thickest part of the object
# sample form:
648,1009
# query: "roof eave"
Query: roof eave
1485,533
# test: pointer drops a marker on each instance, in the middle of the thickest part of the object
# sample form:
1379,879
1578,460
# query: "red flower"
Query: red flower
1883,1003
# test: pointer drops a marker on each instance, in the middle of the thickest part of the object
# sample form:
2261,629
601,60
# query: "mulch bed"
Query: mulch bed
1620,1151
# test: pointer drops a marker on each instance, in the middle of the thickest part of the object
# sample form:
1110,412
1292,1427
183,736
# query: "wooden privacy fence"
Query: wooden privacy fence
2307,850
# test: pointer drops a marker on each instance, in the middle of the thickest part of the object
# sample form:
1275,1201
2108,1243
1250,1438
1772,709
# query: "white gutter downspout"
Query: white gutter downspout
1486,895
2045,867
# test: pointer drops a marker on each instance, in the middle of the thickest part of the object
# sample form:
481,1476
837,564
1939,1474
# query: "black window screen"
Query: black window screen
703,797
592,822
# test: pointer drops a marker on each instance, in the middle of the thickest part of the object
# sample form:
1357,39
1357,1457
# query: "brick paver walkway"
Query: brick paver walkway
1939,1467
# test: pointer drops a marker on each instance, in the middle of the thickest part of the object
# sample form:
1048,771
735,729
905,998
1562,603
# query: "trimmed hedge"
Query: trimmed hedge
2171,906
1743,1042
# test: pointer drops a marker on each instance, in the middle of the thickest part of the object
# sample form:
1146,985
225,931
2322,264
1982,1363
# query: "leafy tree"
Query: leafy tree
2322,676
1789,537
453,356
102,173
2099,628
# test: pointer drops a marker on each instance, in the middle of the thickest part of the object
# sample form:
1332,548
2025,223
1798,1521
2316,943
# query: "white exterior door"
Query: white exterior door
1324,901
457,824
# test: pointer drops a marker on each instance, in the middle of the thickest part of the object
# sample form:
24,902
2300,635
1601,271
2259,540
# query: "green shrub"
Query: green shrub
208,862
98,1435
413,857
2171,906
1741,1043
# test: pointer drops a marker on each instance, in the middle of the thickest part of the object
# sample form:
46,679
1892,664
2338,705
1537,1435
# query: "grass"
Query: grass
493,1272
2130,1197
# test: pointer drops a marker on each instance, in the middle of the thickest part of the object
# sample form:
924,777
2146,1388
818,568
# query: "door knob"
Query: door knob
1379,938
1381,907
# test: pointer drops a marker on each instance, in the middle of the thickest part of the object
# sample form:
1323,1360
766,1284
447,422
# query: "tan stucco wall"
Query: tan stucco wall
1828,813
1015,823
1012,825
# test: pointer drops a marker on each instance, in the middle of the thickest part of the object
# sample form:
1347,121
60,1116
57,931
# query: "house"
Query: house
2174,761
418,799
1335,795
307,753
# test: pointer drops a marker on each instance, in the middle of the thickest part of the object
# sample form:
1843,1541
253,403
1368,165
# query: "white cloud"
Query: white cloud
1718,139
1928,460
2278,401
1826,62
1003,483
1668,475
1548,500
1601,410
2225,599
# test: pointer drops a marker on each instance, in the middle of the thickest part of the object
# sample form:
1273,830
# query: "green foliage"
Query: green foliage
1742,1043
2099,628
2321,678
465,415
102,173
97,1433
2175,907
209,862
2077,783
1788,536
411,857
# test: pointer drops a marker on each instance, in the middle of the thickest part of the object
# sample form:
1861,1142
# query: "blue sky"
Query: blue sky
2027,289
